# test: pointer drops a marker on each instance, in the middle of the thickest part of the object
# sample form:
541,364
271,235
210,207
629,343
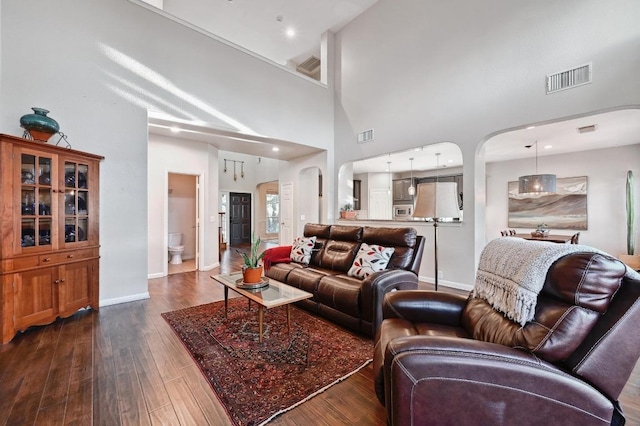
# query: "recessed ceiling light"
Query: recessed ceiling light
548,146
531,127
291,33
275,149
175,129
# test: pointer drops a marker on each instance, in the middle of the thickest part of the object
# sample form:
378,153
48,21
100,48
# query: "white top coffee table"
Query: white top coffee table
276,294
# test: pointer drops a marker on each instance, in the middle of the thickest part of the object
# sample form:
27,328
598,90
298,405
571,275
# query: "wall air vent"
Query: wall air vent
569,78
587,129
366,136
310,67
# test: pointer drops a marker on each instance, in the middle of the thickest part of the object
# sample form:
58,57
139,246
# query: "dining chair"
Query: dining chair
575,237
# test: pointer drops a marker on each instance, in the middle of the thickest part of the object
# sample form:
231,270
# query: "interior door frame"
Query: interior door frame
286,228
197,220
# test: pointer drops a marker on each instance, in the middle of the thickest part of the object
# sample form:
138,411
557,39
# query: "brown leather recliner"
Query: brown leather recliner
445,359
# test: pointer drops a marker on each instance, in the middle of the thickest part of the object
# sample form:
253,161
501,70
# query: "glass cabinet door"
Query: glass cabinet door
36,200
76,202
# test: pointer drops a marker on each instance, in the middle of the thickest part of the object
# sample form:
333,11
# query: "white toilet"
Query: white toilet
175,248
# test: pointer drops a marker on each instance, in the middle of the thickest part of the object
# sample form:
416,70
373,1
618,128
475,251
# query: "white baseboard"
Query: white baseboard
450,284
210,267
118,300
156,275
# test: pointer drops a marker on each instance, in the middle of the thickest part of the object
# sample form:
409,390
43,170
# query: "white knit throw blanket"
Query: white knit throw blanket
512,272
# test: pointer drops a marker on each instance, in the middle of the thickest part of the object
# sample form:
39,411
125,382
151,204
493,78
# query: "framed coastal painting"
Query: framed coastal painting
566,209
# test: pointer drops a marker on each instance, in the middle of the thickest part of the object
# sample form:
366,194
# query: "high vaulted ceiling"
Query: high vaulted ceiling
261,26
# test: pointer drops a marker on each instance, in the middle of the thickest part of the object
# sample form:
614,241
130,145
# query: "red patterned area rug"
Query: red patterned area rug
257,381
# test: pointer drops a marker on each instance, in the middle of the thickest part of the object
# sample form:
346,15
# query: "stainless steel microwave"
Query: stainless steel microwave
403,211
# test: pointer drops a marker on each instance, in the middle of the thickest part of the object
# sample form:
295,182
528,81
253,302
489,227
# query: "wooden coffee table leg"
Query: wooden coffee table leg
288,319
226,299
260,315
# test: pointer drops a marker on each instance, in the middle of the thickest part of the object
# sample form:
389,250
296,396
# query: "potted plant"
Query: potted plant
251,270
347,212
632,260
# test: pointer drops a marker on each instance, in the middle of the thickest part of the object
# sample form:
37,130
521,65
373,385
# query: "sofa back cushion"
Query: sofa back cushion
338,255
322,234
402,240
578,289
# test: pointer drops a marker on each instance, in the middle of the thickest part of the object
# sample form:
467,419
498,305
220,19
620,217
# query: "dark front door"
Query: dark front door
240,218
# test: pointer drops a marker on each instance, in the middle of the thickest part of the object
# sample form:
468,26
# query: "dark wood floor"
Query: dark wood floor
124,366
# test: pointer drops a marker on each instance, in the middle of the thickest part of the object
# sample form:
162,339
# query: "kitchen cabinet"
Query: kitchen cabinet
401,191
49,226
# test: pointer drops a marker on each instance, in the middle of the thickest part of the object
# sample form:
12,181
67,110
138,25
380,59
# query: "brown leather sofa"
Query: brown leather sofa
444,359
352,302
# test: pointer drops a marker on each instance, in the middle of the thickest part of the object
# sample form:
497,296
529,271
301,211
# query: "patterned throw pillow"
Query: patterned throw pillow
370,259
301,249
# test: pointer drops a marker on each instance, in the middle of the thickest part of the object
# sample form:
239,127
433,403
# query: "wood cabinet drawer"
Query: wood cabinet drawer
68,256
19,263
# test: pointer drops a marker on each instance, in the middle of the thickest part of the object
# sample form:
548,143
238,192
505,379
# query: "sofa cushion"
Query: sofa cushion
280,271
346,233
370,259
338,255
301,249
340,292
307,279
403,240
322,233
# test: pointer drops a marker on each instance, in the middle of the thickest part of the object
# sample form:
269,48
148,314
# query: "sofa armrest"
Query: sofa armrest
427,378
376,285
425,306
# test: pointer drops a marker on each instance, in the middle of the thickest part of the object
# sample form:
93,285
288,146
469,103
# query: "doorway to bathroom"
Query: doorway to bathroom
182,221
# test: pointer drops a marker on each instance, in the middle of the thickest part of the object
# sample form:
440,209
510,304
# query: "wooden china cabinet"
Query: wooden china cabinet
49,246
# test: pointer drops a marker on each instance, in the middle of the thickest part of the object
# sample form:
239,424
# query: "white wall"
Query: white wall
293,172
182,211
107,62
308,201
606,170
459,71
256,171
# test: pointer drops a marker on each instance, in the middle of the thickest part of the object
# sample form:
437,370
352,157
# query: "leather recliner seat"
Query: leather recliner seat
442,358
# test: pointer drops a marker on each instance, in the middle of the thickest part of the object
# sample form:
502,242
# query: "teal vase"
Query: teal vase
39,125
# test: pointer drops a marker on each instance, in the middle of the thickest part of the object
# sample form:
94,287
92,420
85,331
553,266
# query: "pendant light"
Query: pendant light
540,184
411,189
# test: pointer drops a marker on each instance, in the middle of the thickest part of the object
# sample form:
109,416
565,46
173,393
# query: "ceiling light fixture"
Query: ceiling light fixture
291,32
537,184
275,149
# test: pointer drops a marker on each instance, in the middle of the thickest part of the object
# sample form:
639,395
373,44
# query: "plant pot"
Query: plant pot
348,214
631,260
252,275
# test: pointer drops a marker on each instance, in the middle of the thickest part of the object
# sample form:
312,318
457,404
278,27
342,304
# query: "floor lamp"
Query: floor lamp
436,201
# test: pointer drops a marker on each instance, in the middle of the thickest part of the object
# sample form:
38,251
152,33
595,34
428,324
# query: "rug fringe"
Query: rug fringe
319,391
